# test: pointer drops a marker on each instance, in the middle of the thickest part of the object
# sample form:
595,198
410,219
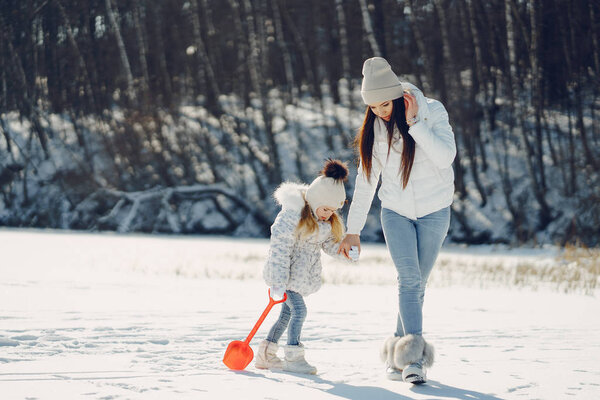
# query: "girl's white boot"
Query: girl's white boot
295,362
266,356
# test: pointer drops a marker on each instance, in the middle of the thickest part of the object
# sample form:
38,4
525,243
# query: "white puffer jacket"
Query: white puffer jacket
295,264
431,184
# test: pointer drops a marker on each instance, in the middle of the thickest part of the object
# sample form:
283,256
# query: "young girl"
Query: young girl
307,223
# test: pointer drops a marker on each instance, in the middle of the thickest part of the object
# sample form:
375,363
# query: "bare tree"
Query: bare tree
261,92
211,80
292,90
142,45
122,52
368,25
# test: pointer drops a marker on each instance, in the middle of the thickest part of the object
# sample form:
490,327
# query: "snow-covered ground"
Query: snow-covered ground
107,316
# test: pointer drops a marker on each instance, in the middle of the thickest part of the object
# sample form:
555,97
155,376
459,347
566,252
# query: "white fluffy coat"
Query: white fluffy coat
293,263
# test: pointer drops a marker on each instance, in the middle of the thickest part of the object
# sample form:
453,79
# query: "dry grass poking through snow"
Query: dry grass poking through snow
578,268
572,270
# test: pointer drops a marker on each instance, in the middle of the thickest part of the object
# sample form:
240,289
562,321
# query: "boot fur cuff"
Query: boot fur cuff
387,350
410,349
428,355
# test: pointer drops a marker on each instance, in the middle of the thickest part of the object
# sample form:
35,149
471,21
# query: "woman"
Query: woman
407,139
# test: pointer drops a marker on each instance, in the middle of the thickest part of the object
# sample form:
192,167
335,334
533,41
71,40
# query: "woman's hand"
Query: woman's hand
349,241
412,108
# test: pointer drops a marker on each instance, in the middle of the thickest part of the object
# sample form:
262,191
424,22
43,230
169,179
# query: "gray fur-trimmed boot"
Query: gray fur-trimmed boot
407,357
414,355
266,356
295,362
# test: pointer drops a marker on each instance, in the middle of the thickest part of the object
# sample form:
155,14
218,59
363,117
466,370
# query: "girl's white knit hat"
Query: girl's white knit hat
328,189
379,83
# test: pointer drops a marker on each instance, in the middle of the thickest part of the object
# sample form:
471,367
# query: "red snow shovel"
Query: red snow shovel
239,354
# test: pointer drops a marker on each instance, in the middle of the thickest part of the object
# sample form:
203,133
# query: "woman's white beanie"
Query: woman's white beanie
328,189
379,83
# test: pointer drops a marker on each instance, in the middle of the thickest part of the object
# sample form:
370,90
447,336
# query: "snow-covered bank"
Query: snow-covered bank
108,316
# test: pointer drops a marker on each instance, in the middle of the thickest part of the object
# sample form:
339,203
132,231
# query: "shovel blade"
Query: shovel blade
238,355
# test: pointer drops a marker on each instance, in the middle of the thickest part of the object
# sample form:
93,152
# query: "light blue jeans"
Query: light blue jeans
293,313
414,247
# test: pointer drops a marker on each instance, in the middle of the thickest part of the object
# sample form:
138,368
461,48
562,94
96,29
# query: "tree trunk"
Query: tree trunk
261,93
240,84
122,53
379,25
513,99
346,86
545,215
307,65
344,48
159,52
536,94
482,79
550,140
472,135
562,156
202,56
421,46
368,27
82,140
142,45
589,157
7,138
595,46
451,82
82,64
450,75
572,157
292,91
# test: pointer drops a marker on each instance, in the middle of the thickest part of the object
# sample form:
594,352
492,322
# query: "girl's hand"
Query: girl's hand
277,293
349,241
412,108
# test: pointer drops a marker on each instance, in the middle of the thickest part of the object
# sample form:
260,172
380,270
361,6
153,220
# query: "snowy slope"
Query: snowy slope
108,316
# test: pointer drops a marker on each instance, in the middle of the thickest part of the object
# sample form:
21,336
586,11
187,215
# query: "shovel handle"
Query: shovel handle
264,315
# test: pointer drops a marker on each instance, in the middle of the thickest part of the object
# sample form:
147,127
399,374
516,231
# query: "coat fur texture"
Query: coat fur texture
295,263
398,352
290,196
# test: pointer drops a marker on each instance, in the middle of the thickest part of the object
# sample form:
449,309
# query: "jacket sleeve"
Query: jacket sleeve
283,236
330,247
436,141
364,191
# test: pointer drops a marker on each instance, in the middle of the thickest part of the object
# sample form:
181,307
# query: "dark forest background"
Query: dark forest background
182,116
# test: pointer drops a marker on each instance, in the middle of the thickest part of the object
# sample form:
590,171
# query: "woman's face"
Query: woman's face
324,213
383,109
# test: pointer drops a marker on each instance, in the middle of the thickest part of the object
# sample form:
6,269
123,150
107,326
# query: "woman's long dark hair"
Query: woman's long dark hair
366,137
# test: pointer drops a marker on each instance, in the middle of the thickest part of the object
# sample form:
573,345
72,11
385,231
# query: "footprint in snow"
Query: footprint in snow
159,341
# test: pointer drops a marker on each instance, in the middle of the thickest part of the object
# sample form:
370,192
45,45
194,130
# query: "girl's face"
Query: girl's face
383,109
324,213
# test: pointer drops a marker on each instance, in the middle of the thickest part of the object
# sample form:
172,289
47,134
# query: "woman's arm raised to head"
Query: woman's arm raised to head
438,141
